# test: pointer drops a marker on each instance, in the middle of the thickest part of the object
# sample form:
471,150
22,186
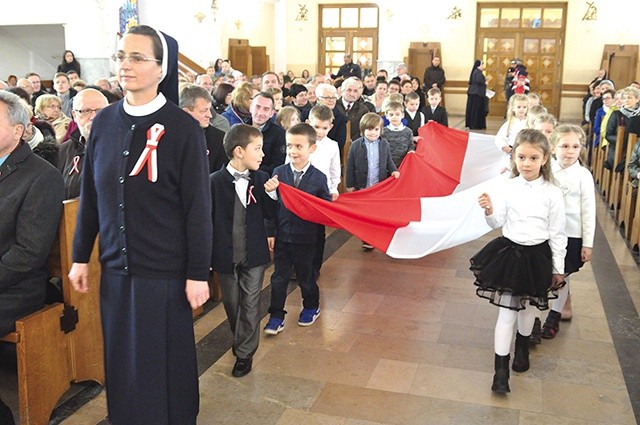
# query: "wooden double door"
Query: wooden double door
531,32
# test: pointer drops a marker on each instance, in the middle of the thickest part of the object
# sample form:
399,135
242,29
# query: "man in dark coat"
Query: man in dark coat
31,194
349,69
434,77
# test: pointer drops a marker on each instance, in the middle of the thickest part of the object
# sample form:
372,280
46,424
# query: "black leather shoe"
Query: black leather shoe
242,367
6,417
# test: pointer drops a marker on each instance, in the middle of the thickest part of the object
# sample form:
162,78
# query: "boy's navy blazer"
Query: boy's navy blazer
439,115
290,227
260,207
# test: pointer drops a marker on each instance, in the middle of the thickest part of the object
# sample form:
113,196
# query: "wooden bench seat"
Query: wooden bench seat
61,343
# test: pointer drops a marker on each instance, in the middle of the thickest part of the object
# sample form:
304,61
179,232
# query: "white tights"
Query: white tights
563,293
505,324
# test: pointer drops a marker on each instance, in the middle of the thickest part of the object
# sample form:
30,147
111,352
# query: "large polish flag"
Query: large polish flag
431,207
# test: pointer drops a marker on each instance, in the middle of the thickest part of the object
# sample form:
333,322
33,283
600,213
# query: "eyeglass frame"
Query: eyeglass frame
86,111
135,58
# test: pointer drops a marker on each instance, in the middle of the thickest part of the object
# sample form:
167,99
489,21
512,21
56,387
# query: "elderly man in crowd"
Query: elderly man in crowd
33,192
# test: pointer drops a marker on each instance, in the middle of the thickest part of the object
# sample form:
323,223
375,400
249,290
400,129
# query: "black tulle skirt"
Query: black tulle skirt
511,275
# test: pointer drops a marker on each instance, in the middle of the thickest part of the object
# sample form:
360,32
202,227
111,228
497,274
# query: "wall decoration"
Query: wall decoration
128,15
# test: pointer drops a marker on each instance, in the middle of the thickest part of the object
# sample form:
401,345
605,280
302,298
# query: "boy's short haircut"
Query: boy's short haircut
434,91
369,121
304,129
321,113
411,96
239,135
393,106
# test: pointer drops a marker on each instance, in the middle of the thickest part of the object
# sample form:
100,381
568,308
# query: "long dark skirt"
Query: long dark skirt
150,358
476,113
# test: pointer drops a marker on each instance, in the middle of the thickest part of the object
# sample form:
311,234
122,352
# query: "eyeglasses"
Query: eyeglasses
134,58
328,97
87,111
54,106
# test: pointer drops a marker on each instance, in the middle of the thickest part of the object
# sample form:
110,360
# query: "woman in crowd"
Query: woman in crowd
69,63
476,113
49,109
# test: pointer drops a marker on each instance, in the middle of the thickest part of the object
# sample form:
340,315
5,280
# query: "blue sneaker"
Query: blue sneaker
308,316
274,326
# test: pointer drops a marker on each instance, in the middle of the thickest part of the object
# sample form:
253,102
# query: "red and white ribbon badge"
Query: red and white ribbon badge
251,197
149,155
74,166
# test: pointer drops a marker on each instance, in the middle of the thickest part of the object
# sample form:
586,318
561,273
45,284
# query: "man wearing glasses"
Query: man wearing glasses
327,95
86,105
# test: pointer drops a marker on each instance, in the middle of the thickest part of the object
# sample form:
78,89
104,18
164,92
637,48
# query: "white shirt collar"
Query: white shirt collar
146,109
398,128
304,170
232,170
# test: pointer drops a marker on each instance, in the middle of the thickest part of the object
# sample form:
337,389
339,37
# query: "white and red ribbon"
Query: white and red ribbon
149,155
251,197
74,166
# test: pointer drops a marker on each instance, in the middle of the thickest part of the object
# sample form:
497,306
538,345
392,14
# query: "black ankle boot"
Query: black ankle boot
501,377
521,357
6,417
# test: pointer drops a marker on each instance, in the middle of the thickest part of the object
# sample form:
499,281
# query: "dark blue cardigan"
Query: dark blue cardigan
152,230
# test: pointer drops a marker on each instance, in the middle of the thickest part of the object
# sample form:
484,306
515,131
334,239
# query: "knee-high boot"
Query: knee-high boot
521,357
501,377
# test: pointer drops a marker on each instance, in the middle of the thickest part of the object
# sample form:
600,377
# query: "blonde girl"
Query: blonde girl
516,121
576,182
288,117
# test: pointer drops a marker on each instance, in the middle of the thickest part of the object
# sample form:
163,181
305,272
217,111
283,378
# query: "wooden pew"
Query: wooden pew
625,215
61,343
342,187
634,240
615,190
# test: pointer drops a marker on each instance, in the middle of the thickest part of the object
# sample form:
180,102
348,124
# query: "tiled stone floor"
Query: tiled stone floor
409,342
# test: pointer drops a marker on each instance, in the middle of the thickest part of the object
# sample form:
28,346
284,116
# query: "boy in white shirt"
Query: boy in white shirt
325,158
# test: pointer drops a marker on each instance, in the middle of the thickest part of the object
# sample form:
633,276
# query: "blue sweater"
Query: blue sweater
149,229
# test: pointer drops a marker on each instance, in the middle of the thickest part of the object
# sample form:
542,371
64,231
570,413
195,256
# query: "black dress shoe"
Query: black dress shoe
242,367
6,416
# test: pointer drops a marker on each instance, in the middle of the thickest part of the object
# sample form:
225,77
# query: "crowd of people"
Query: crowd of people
179,175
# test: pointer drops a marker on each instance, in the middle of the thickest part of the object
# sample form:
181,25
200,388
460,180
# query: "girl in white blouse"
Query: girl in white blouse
525,267
576,183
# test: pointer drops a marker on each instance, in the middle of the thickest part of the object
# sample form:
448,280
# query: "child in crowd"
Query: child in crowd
358,174
576,182
435,112
399,137
288,117
545,123
295,242
242,197
516,121
533,112
522,269
391,97
278,100
414,118
534,99
325,158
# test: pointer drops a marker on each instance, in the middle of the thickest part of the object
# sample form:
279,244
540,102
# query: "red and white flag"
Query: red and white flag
431,207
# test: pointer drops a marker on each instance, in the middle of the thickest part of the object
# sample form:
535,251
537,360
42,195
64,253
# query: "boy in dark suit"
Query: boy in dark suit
295,244
242,198
435,112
